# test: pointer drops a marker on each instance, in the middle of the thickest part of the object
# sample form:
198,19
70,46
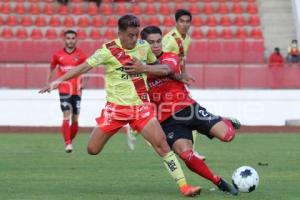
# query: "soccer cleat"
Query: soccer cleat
131,140
69,148
235,123
190,191
226,187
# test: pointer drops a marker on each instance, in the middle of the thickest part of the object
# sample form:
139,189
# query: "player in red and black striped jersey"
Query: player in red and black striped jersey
179,114
69,91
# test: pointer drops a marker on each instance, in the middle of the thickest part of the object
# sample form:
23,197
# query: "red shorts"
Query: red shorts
113,117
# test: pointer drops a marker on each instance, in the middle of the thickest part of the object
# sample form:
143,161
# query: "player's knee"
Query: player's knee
229,134
186,155
92,151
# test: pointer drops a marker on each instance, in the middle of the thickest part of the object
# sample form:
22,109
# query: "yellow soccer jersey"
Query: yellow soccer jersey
119,85
171,45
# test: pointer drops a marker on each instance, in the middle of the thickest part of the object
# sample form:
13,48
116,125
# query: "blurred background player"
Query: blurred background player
179,114
69,91
127,95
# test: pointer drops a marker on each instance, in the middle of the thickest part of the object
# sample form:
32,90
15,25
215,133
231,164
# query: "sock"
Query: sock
174,168
197,165
65,128
74,129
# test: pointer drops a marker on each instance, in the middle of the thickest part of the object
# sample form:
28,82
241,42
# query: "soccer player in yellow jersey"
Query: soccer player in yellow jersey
127,97
177,40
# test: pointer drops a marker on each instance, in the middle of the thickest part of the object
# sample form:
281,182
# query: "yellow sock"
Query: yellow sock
194,139
174,168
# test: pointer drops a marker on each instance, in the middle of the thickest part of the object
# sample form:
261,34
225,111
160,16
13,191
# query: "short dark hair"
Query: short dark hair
127,21
150,30
70,32
182,12
277,49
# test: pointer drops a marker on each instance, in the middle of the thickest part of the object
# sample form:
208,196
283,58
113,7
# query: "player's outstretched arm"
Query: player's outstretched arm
156,70
80,69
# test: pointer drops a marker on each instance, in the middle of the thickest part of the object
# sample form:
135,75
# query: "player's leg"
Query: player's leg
130,137
76,101
149,127
97,141
223,130
66,107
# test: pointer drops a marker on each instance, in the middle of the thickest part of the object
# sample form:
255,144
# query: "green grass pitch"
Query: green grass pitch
35,167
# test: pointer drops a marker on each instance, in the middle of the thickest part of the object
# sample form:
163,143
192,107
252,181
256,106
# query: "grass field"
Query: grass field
34,166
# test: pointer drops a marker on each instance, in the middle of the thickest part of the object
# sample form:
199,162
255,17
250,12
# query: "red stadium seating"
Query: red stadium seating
21,33
69,21
49,9
256,33
34,9
212,34
106,9
154,20
1,20
237,8
121,9
150,9
51,34
165,9
254,20
211,21
92,9
226,34
241,33
12,20
136,9
81,34
225,21
84,21
36,34
251,8
109,34
63,10
197,21
240,20
208,9
55,21
168,21
111,21
95,34
6,9
26,20
7,33
40,21
20,9
97,21
197,34
222,8
194,9
77,10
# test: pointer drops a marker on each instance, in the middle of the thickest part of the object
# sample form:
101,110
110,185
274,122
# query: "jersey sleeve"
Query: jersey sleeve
169,44
151,58
54,61
173,61
98,58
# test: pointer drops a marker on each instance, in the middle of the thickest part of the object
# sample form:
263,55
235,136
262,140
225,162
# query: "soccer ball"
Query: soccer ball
245,179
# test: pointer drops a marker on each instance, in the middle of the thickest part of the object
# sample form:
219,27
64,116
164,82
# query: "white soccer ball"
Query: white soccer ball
245,179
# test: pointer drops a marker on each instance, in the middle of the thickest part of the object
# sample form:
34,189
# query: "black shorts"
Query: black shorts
183,123
70,102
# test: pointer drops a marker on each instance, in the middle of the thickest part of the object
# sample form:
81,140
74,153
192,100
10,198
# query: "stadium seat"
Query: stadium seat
121,9
110,34
236,1
1,20
212,34
241,33
179,1
26,20
150,9
164,9
69,21
33,1
21,33
97,21
192,1
136,9
106,9
150,1
254,20
20,1
81,34
256,33
225,20
251,8
208,9
211,21
179,6
54,21
111,21
34,9
92,9
40,21
51,34
226,33
36,34
20,8
107,1
208,1
11,20
163,1
239,20
63,10
144,21
77,10
197,33
194,9
5,8
222,8
251,1
197,21
95,34
237,8
7,33
49,9
168,21
83,21
154,20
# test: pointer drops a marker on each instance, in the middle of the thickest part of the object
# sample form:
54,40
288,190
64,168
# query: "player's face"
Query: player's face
70,41
155,43
183,24
129,37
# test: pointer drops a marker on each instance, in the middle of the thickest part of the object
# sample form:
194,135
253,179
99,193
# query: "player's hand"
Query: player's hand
185,78
136,67
49,87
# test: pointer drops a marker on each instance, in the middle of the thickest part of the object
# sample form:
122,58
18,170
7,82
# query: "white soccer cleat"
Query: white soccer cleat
69,148
131,140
